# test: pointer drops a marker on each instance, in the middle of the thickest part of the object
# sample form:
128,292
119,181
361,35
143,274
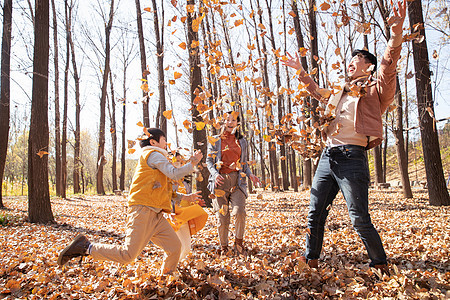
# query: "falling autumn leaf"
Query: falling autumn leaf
212,140
42,153
176,75
140,124
200,125
144,87
196,23
182,45
167,114
325,6
238,22
131,143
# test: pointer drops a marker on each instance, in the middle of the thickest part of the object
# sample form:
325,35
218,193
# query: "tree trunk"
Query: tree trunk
407,107
5,89
280,100
57,112
39,206
212,78
291,152
146,118
113,132
77,132
122,157
195,78
68,12
160,54
124,110
378,168
307,174
437,190
399,144
101,160
314,65
273,161
258,118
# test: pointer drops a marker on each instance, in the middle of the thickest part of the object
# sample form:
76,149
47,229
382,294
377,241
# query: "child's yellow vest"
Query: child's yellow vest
150,187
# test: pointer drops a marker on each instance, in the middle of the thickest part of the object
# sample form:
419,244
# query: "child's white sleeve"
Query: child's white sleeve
158,161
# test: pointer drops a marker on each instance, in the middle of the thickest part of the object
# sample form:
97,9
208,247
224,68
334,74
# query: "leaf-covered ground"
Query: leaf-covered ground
416,237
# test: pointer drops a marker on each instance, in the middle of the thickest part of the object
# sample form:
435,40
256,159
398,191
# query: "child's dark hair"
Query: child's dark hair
155,134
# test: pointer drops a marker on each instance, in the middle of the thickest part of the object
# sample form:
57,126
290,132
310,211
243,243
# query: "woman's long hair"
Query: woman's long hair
237,130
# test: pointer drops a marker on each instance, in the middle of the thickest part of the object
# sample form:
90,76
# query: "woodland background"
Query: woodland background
117,66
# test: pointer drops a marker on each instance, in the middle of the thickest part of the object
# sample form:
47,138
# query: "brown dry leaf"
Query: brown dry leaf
212,140
219,193
167,114
325,6
200,125
42,153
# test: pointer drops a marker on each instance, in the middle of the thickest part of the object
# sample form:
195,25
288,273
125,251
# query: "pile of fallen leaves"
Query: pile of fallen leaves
416,237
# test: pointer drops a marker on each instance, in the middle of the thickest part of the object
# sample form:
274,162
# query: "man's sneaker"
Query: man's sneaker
77,248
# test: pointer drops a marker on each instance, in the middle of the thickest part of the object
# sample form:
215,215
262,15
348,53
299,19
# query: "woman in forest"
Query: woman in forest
227,162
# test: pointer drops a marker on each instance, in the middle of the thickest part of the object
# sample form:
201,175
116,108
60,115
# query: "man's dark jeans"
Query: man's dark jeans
343,168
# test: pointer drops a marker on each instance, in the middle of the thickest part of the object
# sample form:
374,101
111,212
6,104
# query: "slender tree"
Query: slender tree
437,190
291,153
68,19
280,98
273,161
57,110
307,165
159,35
101,160
5,88
113,131
195,79
127,55
146,116
77,133
398,128
314,65
39,206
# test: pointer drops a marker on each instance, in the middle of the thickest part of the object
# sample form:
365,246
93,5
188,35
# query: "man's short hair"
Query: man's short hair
368,56
155,134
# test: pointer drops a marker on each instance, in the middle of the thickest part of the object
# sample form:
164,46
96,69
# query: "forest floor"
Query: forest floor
416,237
